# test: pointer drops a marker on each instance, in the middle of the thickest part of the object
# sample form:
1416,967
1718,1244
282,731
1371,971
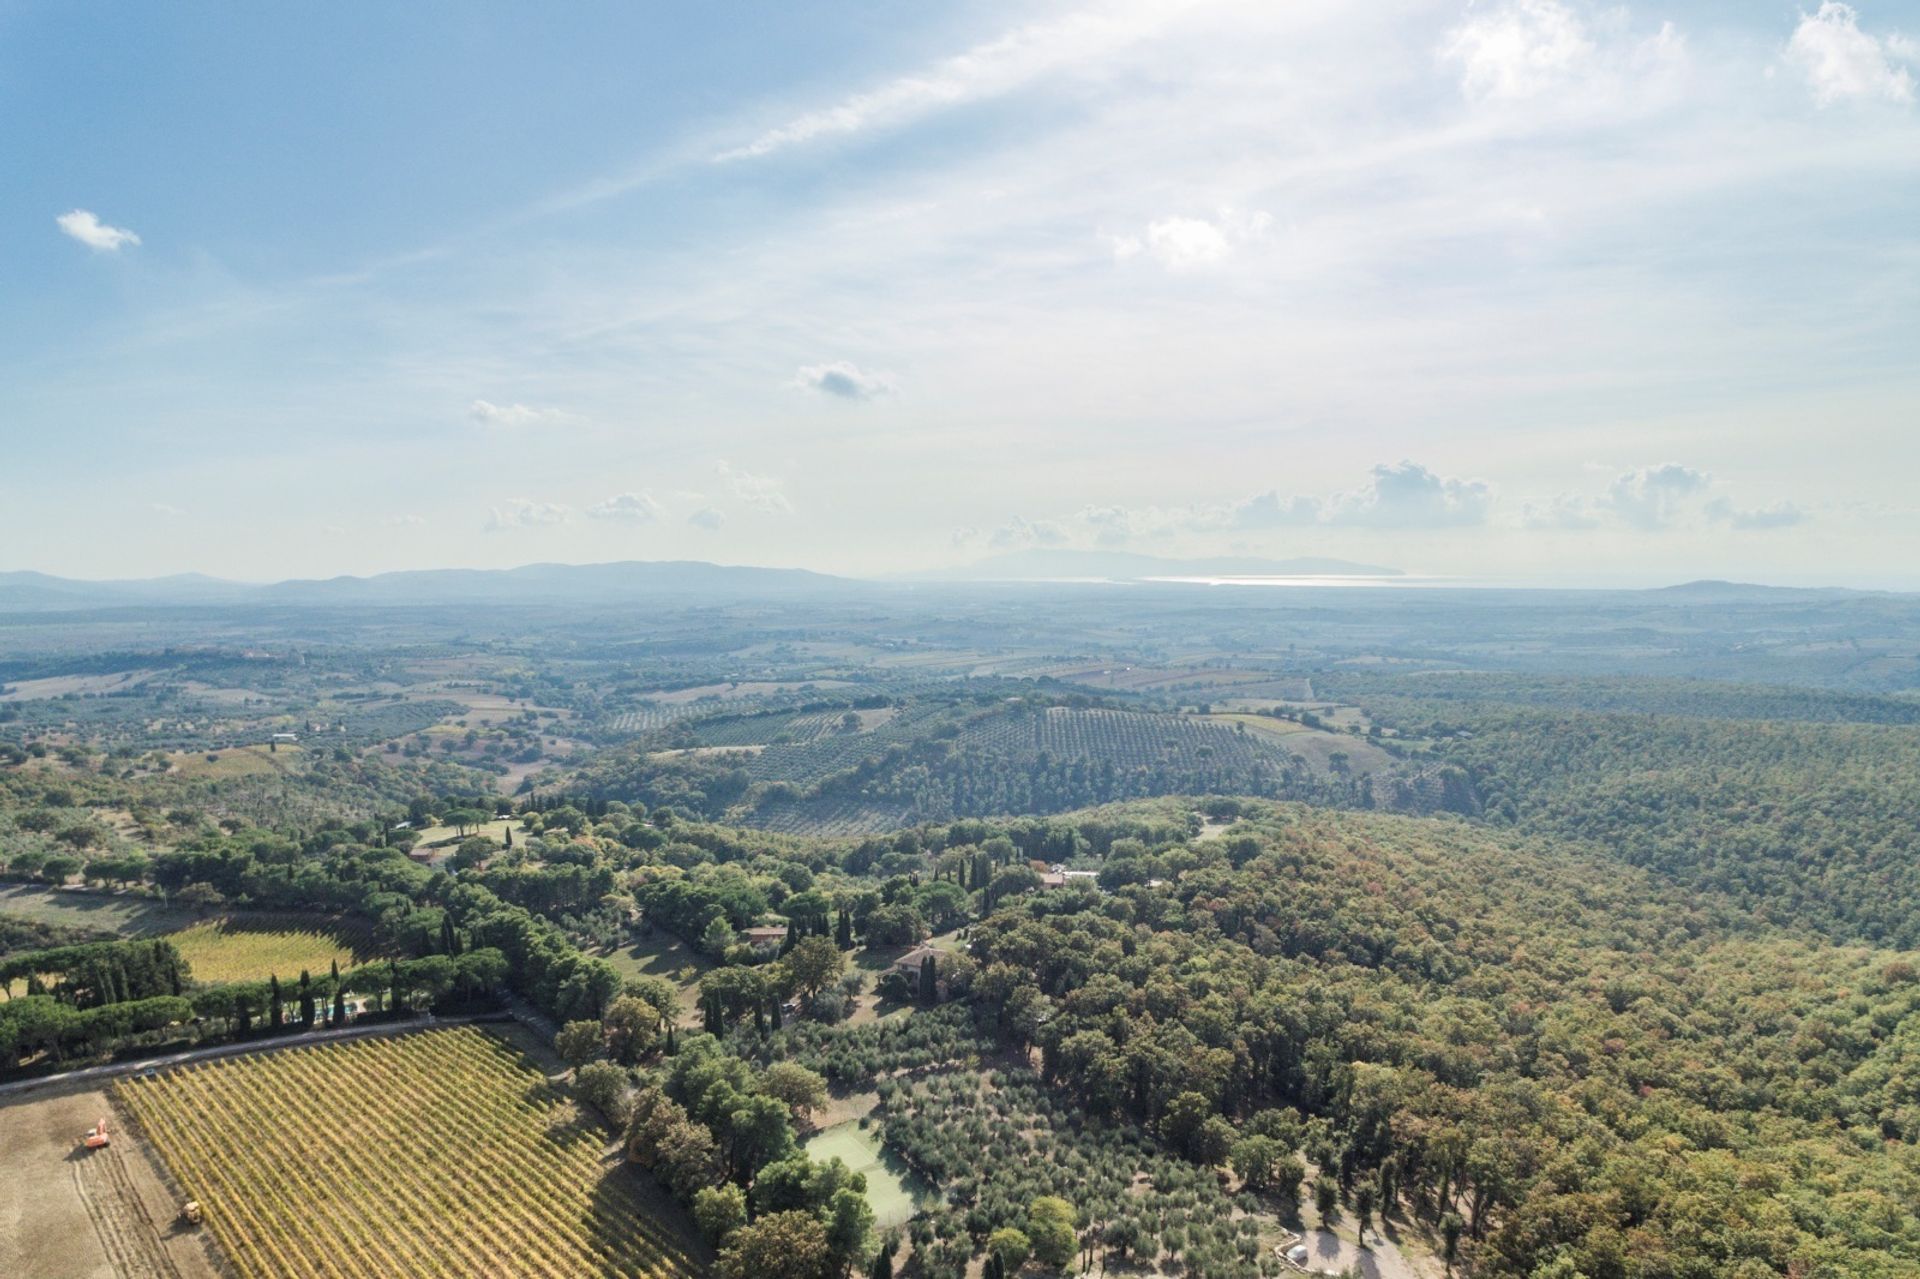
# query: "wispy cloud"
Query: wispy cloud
707,518
985,71
761,492
487,413
521,513
85,226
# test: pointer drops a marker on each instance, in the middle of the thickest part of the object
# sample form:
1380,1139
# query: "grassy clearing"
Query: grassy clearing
221,950
663,955
440,1153
127,915
235,761
892,1189
1263,724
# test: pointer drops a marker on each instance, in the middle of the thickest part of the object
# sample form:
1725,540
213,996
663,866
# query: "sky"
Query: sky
1529,290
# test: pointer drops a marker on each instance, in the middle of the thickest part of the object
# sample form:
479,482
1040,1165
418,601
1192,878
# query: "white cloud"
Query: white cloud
1563,512
161,508
1653,497
843,379
84,226
707,518
1270,510
1019,533
984,71
762,493
1187,244
1411,496
406,521
1841,62
627,508
520,512
1518,50
487,413
1778,515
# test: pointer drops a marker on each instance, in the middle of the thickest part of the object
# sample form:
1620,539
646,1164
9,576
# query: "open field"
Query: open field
28,690
71,1214
235,761
1265,725
223,950
431,836
892,1189
123,913
661,954
440,1153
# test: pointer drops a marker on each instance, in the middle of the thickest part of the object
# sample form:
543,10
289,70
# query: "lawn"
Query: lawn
439,1153
222,950
895,1193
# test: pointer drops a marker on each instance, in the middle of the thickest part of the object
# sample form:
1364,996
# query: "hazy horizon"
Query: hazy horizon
1537,291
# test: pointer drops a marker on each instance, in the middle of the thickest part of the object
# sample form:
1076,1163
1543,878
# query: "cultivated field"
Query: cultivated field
222,950
443,1153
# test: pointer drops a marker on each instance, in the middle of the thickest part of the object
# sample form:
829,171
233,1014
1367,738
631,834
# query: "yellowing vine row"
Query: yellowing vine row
431,1154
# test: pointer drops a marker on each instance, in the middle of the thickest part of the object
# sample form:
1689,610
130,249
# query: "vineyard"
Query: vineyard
223,950
439,1153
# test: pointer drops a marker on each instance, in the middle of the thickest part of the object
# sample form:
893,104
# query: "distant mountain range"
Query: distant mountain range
530,584
633,581
1040,564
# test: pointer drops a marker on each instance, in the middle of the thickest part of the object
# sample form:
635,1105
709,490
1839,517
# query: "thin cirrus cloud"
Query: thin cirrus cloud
707,518
843,380
985,71
86,227
1842,63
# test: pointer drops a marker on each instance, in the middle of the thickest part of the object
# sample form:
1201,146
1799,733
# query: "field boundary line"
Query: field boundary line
114,1070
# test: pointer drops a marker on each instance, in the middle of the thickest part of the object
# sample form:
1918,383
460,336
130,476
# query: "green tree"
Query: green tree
1051,1226
1010,1246
781,1245
719,1211
579,1042
814,964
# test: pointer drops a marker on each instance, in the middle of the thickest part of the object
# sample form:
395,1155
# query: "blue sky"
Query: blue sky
1530,289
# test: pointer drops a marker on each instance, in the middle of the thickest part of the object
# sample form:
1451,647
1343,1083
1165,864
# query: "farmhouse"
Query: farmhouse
1061,877
765,938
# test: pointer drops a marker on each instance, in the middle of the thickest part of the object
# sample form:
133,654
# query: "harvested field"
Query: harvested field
68,1214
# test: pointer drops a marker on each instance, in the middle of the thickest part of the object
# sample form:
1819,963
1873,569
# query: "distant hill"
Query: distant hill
529,584
1124,566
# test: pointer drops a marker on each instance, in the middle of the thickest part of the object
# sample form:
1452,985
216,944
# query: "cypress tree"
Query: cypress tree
773,1009
929,980
843,933
339,1006
882,1264
306,1000
273,1008
393,985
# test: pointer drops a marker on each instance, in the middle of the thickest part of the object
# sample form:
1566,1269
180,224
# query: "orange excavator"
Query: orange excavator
97,1136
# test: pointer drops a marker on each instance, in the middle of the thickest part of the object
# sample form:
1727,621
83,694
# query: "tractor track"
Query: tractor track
125,1230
